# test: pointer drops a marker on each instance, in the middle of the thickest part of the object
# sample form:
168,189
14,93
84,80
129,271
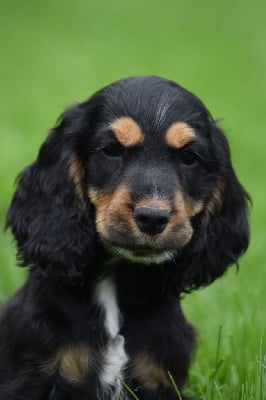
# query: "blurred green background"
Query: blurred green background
56,52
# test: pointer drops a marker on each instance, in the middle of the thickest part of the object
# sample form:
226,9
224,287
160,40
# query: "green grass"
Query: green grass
56,52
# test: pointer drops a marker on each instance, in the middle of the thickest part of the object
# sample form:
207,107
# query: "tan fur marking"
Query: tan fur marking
101,202
77,174
181,217
180,204
72,362
215,202
148,373
179,134
192,207
127,132
108,206
95,196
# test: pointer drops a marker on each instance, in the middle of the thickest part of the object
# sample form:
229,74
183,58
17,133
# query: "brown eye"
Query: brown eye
113,150
188,158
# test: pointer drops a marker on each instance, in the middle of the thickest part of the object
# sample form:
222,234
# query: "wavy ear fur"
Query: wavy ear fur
222,230
48,217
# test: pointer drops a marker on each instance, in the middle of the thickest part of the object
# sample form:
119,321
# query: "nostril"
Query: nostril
142,218
163,219
151,220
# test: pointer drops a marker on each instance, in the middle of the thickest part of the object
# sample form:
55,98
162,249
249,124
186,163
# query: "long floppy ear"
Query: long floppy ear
49,214
222,230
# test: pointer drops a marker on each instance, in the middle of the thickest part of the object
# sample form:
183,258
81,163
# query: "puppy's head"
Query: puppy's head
142,169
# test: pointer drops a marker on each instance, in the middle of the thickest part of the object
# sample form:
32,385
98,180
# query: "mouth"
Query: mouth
143,255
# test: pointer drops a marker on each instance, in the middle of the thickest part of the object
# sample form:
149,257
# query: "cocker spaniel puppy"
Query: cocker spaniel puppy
131,202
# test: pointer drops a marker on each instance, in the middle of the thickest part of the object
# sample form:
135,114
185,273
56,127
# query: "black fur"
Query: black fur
54,222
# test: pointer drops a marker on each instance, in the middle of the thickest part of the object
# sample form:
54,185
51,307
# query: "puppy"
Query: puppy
131,202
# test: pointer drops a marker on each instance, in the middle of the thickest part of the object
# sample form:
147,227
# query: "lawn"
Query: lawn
56,52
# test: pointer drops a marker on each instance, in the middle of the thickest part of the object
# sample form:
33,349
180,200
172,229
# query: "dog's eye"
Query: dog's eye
188,158
113,150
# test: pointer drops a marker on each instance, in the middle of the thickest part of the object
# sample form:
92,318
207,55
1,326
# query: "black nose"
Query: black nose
151,220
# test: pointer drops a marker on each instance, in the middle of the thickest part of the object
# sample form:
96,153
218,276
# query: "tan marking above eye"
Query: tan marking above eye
127,132
179,135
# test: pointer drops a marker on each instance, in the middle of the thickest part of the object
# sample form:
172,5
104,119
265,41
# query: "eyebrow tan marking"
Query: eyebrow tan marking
179,134
127,132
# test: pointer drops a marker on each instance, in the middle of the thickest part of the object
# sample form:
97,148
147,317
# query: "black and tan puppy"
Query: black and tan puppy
131,202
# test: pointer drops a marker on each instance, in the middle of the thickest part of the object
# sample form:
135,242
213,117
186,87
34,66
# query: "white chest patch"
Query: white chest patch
114,354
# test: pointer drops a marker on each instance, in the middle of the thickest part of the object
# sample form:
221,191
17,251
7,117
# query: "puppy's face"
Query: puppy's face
149,169
142,166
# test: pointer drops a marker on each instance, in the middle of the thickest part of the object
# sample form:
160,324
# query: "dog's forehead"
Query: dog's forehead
153,104
145,101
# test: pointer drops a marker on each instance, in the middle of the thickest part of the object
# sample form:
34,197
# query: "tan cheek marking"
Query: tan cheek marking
127,132
193,207
96,196
179,224
73,363
77,174
110,205
148,373
101,202
215,202
179,134
180,204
